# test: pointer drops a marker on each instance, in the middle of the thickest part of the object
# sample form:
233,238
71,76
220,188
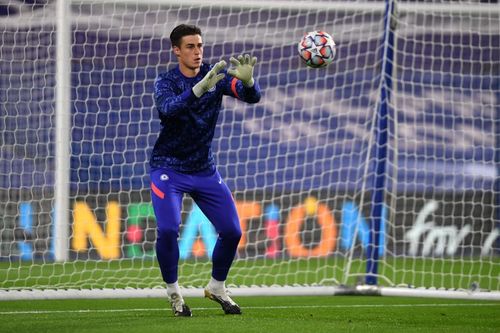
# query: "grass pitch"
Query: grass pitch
145,273
260,314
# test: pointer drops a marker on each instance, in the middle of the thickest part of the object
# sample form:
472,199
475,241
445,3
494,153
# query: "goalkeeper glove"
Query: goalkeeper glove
210,79
243,69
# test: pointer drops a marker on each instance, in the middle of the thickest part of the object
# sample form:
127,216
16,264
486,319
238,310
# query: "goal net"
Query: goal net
378,173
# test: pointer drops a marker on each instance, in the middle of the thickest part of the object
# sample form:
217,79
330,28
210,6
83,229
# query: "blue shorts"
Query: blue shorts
207,189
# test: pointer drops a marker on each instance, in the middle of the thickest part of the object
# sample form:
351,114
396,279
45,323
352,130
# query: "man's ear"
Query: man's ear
177,50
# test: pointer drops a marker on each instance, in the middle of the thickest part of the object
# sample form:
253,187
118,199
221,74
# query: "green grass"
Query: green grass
260,314
144,273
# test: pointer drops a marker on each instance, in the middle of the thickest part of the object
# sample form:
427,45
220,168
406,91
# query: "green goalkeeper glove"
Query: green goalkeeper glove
243,69
210,79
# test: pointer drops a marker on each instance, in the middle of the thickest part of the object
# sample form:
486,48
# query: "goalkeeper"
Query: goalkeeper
188,99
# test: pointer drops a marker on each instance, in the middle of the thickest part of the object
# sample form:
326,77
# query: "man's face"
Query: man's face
190,53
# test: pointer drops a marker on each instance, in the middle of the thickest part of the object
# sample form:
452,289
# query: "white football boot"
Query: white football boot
221,297
179,308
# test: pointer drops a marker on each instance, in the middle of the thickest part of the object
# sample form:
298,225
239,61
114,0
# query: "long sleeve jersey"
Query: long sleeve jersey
188,123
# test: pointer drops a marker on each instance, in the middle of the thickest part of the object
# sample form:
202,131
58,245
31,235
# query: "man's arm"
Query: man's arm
167,101
237,89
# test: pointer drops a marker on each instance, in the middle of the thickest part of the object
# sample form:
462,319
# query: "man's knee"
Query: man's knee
232,232
168,233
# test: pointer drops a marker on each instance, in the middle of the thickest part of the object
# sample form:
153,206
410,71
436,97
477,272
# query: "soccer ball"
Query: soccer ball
317,49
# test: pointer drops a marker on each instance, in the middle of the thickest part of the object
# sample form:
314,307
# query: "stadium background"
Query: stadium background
273,152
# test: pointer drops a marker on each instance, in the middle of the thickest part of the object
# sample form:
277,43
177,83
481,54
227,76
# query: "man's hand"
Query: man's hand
243,69
210,80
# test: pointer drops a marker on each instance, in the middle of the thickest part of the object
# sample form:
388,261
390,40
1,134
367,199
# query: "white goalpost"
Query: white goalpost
377,175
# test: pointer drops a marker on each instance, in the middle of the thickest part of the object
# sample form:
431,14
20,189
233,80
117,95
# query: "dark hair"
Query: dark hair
181,31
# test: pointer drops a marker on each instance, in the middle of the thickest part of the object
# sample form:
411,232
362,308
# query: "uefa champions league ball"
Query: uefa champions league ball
317,49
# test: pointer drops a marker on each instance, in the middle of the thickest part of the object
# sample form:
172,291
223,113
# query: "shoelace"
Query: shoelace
226,297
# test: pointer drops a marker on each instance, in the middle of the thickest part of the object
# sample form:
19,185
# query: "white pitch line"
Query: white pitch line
255,308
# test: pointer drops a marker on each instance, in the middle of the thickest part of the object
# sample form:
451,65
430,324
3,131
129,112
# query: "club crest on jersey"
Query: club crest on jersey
164,177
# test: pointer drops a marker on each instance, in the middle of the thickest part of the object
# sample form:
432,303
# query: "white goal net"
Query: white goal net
417,108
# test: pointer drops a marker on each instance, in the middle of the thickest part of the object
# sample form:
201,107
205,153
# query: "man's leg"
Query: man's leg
215,200
166,196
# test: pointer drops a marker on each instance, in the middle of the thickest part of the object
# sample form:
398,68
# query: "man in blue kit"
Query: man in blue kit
188,99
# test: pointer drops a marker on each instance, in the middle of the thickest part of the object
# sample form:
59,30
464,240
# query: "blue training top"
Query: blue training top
188,123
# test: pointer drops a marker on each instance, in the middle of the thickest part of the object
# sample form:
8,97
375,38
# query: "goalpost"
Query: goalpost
378,175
